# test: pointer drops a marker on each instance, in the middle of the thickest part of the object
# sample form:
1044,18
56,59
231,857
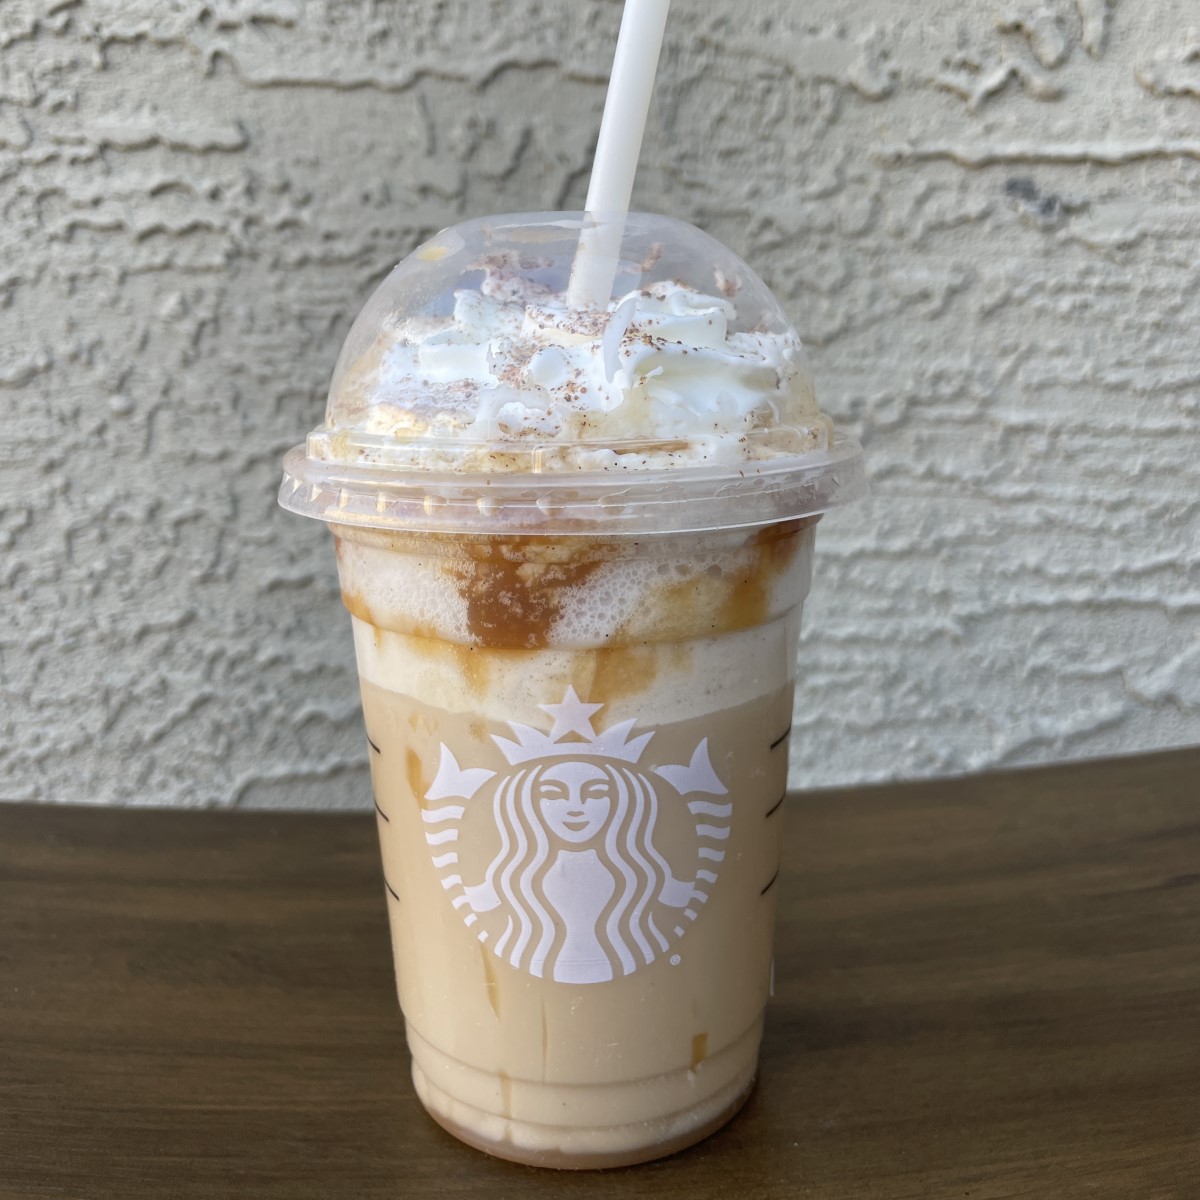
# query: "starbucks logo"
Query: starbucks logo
579,887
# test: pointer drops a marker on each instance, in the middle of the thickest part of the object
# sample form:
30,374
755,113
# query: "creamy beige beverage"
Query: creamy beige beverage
575,545
580,842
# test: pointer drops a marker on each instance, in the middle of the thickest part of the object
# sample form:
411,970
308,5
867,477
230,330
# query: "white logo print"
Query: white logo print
578,890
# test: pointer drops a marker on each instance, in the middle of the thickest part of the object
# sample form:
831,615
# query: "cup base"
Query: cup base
564,1149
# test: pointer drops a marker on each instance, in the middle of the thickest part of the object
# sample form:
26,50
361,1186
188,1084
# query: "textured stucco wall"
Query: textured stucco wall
985,219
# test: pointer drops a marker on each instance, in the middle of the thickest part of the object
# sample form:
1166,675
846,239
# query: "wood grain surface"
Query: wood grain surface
987,988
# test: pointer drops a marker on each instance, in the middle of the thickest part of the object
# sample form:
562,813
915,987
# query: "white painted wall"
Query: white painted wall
985,219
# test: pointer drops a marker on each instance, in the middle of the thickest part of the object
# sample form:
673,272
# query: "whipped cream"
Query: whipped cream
659,377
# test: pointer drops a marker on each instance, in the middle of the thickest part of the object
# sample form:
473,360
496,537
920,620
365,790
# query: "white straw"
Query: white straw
621,128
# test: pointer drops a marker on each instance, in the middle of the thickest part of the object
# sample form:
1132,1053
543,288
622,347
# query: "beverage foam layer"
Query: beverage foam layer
665,682
574,595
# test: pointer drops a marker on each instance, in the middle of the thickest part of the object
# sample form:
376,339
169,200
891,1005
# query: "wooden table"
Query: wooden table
987,988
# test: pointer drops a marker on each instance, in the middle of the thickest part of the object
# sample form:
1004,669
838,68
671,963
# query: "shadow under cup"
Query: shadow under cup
579,753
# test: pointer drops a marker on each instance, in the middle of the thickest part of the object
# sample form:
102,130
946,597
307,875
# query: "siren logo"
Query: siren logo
579,887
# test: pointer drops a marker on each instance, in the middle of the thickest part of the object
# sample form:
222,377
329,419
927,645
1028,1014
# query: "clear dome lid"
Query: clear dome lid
558,373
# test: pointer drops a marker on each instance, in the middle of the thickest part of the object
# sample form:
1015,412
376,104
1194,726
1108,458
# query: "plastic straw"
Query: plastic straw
621,128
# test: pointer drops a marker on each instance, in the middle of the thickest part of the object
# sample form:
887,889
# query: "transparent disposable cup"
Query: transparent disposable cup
577,686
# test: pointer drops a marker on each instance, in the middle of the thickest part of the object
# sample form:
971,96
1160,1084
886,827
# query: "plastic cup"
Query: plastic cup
577,649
